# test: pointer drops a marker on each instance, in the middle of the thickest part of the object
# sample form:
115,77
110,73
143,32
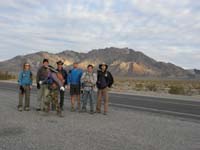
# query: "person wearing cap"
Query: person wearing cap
104,81
88,82
43,90
63,72
74,84
25,86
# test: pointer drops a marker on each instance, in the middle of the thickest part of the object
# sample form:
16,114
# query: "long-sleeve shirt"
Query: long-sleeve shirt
64,74
56,80
89,79
25,78
74,76
42,74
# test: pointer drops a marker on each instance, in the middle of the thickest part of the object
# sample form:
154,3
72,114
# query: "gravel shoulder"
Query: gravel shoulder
121,129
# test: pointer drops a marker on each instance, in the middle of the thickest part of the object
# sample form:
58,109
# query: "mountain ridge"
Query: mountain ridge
122,62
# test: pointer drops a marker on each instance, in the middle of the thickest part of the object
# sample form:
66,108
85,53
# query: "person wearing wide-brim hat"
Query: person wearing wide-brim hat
103,64
59,62
63,72
104,81
25,86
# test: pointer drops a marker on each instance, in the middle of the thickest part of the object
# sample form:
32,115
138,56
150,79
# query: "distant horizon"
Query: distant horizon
60,51
167,31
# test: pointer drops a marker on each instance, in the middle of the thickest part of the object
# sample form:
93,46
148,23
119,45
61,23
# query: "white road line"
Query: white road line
163,101
156,110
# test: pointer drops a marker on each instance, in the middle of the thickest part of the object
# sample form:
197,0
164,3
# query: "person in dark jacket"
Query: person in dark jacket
104,81
63,72
42,86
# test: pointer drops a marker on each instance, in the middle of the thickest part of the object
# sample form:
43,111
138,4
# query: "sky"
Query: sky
166,30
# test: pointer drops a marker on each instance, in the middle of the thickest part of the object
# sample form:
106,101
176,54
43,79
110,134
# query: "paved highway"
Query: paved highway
175,107
143,126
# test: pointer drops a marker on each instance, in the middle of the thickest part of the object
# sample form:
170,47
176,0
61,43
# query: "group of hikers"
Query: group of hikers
52,83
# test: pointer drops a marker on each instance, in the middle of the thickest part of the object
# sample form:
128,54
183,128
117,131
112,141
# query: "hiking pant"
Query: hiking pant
53,107
62,94
27,97
42,95
88,94
102,94
52,97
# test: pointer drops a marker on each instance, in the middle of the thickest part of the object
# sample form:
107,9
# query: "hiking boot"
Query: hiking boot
105,113
78,109
20,109
38,109
72,109
27,109
59,113
91,112
83,109
97,111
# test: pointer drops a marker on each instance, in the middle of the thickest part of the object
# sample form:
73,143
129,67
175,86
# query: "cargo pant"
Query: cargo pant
42,95
102,93
27,97
53,107
62,94
52,97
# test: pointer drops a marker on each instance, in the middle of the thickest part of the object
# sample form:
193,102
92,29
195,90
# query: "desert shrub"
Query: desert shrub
174,89
6,76
151,87
139,86
196,86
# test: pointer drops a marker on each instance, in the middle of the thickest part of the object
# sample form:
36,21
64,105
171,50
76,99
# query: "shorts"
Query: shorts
75,89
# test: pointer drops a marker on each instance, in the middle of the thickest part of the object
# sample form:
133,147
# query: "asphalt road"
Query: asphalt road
135,128
179,108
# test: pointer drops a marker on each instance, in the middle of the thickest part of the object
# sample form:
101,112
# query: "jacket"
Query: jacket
74,76
42,74
25,78
104,79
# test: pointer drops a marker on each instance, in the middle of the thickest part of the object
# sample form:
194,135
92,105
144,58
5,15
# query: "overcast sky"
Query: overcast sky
166,30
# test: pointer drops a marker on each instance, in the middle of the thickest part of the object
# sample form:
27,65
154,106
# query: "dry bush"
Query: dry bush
151,87
174,89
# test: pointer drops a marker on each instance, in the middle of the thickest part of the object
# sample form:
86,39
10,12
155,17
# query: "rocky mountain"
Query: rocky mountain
121,61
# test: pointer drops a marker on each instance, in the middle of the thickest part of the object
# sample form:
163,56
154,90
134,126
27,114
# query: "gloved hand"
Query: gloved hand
62,88
40,82
38,85
21,89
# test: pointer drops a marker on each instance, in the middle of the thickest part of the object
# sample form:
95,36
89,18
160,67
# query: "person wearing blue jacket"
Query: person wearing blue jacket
74,84
25,86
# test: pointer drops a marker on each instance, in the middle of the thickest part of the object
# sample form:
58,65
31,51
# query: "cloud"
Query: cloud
164,30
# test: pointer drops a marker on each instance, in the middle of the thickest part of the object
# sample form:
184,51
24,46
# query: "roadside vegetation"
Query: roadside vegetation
179,87
6,76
